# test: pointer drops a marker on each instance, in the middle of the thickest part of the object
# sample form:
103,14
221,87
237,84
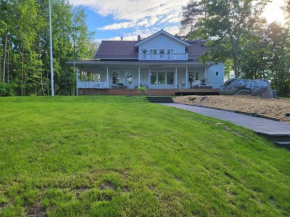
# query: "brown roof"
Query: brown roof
127,49
196,49
117,49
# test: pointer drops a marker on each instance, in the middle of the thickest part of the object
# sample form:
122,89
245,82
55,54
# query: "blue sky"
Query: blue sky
111,19
96,22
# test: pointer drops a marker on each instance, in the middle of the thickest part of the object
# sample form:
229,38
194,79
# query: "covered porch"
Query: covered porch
116,75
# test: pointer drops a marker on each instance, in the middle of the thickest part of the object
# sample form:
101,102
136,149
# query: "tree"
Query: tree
228,24
191,13
24,45
279,57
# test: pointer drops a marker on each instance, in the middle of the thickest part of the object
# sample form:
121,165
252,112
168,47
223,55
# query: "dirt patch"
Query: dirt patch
4,205
107,185
272,108
79,190
125,189
36,211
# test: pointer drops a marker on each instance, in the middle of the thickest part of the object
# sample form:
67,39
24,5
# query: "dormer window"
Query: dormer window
153,51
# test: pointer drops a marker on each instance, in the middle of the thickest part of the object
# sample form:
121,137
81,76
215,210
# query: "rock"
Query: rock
236,86
203,98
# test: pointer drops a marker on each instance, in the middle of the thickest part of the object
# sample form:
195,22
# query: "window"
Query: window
161,52
217,73
153,78
97,77
128,78
115,77
153,51
161,77
170,78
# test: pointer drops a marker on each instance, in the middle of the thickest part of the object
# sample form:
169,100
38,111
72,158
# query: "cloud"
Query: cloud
132,36
113,26
136,13
147,22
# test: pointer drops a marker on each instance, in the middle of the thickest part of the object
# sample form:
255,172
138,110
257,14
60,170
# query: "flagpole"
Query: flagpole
51,58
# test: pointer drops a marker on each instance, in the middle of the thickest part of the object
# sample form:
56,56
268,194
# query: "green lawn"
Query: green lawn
117,156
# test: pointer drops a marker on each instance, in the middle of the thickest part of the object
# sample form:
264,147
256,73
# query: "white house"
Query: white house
159,62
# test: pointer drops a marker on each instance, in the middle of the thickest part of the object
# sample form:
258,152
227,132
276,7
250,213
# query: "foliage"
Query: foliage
115,156
203,81
243,41
142,90
6,89
191,14
228,24
144,51
24,45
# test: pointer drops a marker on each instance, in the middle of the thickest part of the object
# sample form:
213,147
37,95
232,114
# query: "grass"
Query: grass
117,156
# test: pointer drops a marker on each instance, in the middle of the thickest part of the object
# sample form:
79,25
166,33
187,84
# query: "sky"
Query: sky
111,19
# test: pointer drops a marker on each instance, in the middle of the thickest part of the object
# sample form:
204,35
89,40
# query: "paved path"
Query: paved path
259,125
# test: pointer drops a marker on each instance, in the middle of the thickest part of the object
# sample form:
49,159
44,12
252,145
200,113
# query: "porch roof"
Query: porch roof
82,63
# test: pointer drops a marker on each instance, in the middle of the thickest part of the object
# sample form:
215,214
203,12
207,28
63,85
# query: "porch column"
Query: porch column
77,81
107,77
139,77
176,82
149,78
186,77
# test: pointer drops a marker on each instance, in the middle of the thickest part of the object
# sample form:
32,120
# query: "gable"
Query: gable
162,32
162,41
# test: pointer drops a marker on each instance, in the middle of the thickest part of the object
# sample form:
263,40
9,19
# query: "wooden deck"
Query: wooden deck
151,92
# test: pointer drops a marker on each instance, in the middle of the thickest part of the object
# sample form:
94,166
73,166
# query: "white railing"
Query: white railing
92,84
169,57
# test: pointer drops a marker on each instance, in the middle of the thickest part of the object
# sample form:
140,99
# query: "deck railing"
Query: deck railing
92,84
168,57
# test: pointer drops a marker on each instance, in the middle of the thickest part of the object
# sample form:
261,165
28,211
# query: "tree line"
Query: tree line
24,46
238,36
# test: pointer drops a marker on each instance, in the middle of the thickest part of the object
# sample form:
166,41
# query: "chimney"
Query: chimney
122,38
139,38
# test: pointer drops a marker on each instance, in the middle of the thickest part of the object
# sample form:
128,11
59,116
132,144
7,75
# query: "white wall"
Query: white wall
215,80
162,42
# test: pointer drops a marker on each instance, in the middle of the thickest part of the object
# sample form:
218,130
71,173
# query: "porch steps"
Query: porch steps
281,140
160,99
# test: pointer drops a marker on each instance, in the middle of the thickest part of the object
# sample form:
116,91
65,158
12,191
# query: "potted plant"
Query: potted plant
203,81
144,51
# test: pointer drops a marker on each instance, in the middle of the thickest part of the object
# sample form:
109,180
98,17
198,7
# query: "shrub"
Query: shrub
142,90
6,89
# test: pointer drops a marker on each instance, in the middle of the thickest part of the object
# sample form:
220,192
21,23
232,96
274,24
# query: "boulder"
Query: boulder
236,86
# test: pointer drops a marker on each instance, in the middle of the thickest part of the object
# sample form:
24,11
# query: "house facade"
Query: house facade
158,62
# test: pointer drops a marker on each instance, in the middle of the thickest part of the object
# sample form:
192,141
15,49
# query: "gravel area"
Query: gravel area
274,108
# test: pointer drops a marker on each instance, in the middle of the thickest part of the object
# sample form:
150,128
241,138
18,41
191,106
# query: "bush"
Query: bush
6,89
142,90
